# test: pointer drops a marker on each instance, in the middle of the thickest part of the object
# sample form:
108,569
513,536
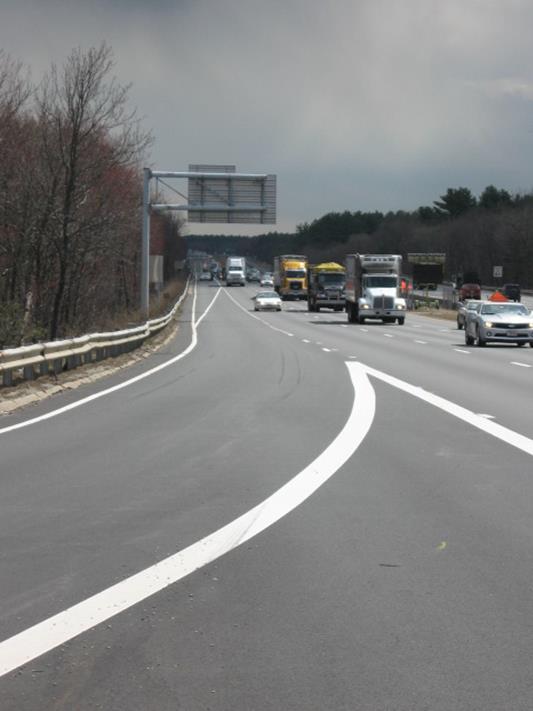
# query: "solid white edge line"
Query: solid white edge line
49,634
126,383
513,438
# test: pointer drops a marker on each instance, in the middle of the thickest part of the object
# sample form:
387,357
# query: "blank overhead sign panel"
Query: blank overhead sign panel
220,194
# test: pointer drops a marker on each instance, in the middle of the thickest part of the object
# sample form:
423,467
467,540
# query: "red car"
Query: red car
470,291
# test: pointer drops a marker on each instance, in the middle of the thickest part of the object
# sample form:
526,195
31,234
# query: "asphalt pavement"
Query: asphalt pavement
394,574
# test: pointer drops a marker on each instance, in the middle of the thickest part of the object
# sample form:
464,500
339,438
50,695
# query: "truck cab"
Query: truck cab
373,284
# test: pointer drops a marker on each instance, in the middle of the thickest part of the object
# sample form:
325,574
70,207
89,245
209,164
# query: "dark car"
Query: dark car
511,291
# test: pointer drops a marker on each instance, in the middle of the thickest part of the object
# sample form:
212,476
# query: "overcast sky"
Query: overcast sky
353,104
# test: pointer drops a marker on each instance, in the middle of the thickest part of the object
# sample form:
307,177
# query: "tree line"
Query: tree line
475,233
71,155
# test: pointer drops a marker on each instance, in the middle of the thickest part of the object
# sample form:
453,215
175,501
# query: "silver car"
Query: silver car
463,307
267,301
496,322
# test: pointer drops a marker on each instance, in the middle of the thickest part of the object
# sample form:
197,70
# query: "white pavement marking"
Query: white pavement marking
388,335
364,330
48,634
327,350
344,325
424,343
460,350
352,356
126,383
513,438
487,417
522,365
305,340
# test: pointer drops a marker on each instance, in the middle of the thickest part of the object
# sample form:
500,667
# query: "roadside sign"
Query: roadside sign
497,272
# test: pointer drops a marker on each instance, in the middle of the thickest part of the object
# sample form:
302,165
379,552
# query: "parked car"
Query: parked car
463,307
470,291
267,301
497,322
511,291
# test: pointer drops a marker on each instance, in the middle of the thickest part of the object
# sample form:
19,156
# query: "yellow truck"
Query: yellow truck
290,276
326,286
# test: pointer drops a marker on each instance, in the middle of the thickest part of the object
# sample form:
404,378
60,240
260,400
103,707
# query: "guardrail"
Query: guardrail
67,354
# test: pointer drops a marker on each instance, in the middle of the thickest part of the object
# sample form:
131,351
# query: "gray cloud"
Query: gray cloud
375,104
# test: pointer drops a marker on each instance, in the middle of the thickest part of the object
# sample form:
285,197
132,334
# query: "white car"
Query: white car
266,280
267,301
496,322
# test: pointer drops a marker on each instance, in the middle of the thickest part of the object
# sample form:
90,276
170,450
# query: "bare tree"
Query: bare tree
89,137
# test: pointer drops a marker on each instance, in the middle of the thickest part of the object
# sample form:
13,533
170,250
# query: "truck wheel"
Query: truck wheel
310,306
401,320
352,318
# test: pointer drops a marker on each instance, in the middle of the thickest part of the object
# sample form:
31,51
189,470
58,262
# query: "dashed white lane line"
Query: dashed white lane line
460,350
388,335
305,340
522,365
327,350
364,330
424,343
344,325
48,634
352,356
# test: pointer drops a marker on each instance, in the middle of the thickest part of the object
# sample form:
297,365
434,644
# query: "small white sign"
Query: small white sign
497,272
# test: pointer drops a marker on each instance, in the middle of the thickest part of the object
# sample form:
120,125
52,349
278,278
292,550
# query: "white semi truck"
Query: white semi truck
373,288
235,271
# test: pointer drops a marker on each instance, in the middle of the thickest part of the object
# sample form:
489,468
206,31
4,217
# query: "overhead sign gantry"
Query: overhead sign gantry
216,194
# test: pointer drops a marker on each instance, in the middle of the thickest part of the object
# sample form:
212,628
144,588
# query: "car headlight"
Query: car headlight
400,307
488,324
365,306
531,325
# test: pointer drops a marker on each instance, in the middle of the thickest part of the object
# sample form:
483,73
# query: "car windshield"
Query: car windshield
386,282
472,306
500,309
295,273
267,295
329,279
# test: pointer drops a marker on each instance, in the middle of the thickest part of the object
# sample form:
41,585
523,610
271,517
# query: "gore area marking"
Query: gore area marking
44,636
522,365
487,417
126,383
513,438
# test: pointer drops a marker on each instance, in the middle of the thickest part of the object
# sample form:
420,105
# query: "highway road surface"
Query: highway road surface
277,511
